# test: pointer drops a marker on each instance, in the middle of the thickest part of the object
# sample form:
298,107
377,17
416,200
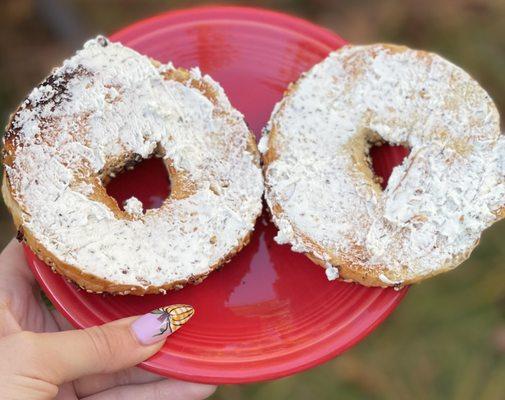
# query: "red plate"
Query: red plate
269,312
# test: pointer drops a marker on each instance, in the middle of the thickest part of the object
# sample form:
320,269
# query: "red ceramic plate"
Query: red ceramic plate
269,312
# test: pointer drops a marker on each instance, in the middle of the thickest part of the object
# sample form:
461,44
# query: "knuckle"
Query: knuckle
46,391
27,341
22,350
101,343
31,387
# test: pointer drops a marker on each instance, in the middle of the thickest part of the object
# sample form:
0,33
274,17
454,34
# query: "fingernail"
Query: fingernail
161,322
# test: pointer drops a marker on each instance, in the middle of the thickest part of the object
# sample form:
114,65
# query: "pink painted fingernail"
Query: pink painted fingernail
161,322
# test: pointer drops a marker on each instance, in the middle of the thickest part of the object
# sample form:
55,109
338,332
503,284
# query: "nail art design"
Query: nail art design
161,322
173,317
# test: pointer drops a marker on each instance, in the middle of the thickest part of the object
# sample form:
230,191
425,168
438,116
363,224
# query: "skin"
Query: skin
44,358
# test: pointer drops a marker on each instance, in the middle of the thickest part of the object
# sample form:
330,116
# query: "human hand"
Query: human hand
42,357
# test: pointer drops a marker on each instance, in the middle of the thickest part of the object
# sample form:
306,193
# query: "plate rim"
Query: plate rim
218,378
324,32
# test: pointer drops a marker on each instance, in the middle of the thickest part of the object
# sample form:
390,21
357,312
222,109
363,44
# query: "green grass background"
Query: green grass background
447,339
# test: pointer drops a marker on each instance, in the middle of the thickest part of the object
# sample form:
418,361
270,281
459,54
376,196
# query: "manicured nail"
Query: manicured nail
161,322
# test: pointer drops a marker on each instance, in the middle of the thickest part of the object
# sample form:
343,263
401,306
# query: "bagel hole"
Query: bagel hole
384,157
147,180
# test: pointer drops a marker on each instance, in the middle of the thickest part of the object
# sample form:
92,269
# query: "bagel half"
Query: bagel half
105,109
323,194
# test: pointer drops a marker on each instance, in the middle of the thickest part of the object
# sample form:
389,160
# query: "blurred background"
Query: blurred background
447,339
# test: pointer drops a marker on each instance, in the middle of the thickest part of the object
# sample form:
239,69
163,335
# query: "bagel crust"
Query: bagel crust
319,184
102,111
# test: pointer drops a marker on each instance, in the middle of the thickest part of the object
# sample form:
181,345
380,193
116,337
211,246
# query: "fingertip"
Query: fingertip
189,390
164,389
159,323
201,391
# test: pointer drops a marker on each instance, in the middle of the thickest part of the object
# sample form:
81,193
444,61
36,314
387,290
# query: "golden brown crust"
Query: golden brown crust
355,272
90,282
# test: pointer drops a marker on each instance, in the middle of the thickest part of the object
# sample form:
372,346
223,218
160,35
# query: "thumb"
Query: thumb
65,356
